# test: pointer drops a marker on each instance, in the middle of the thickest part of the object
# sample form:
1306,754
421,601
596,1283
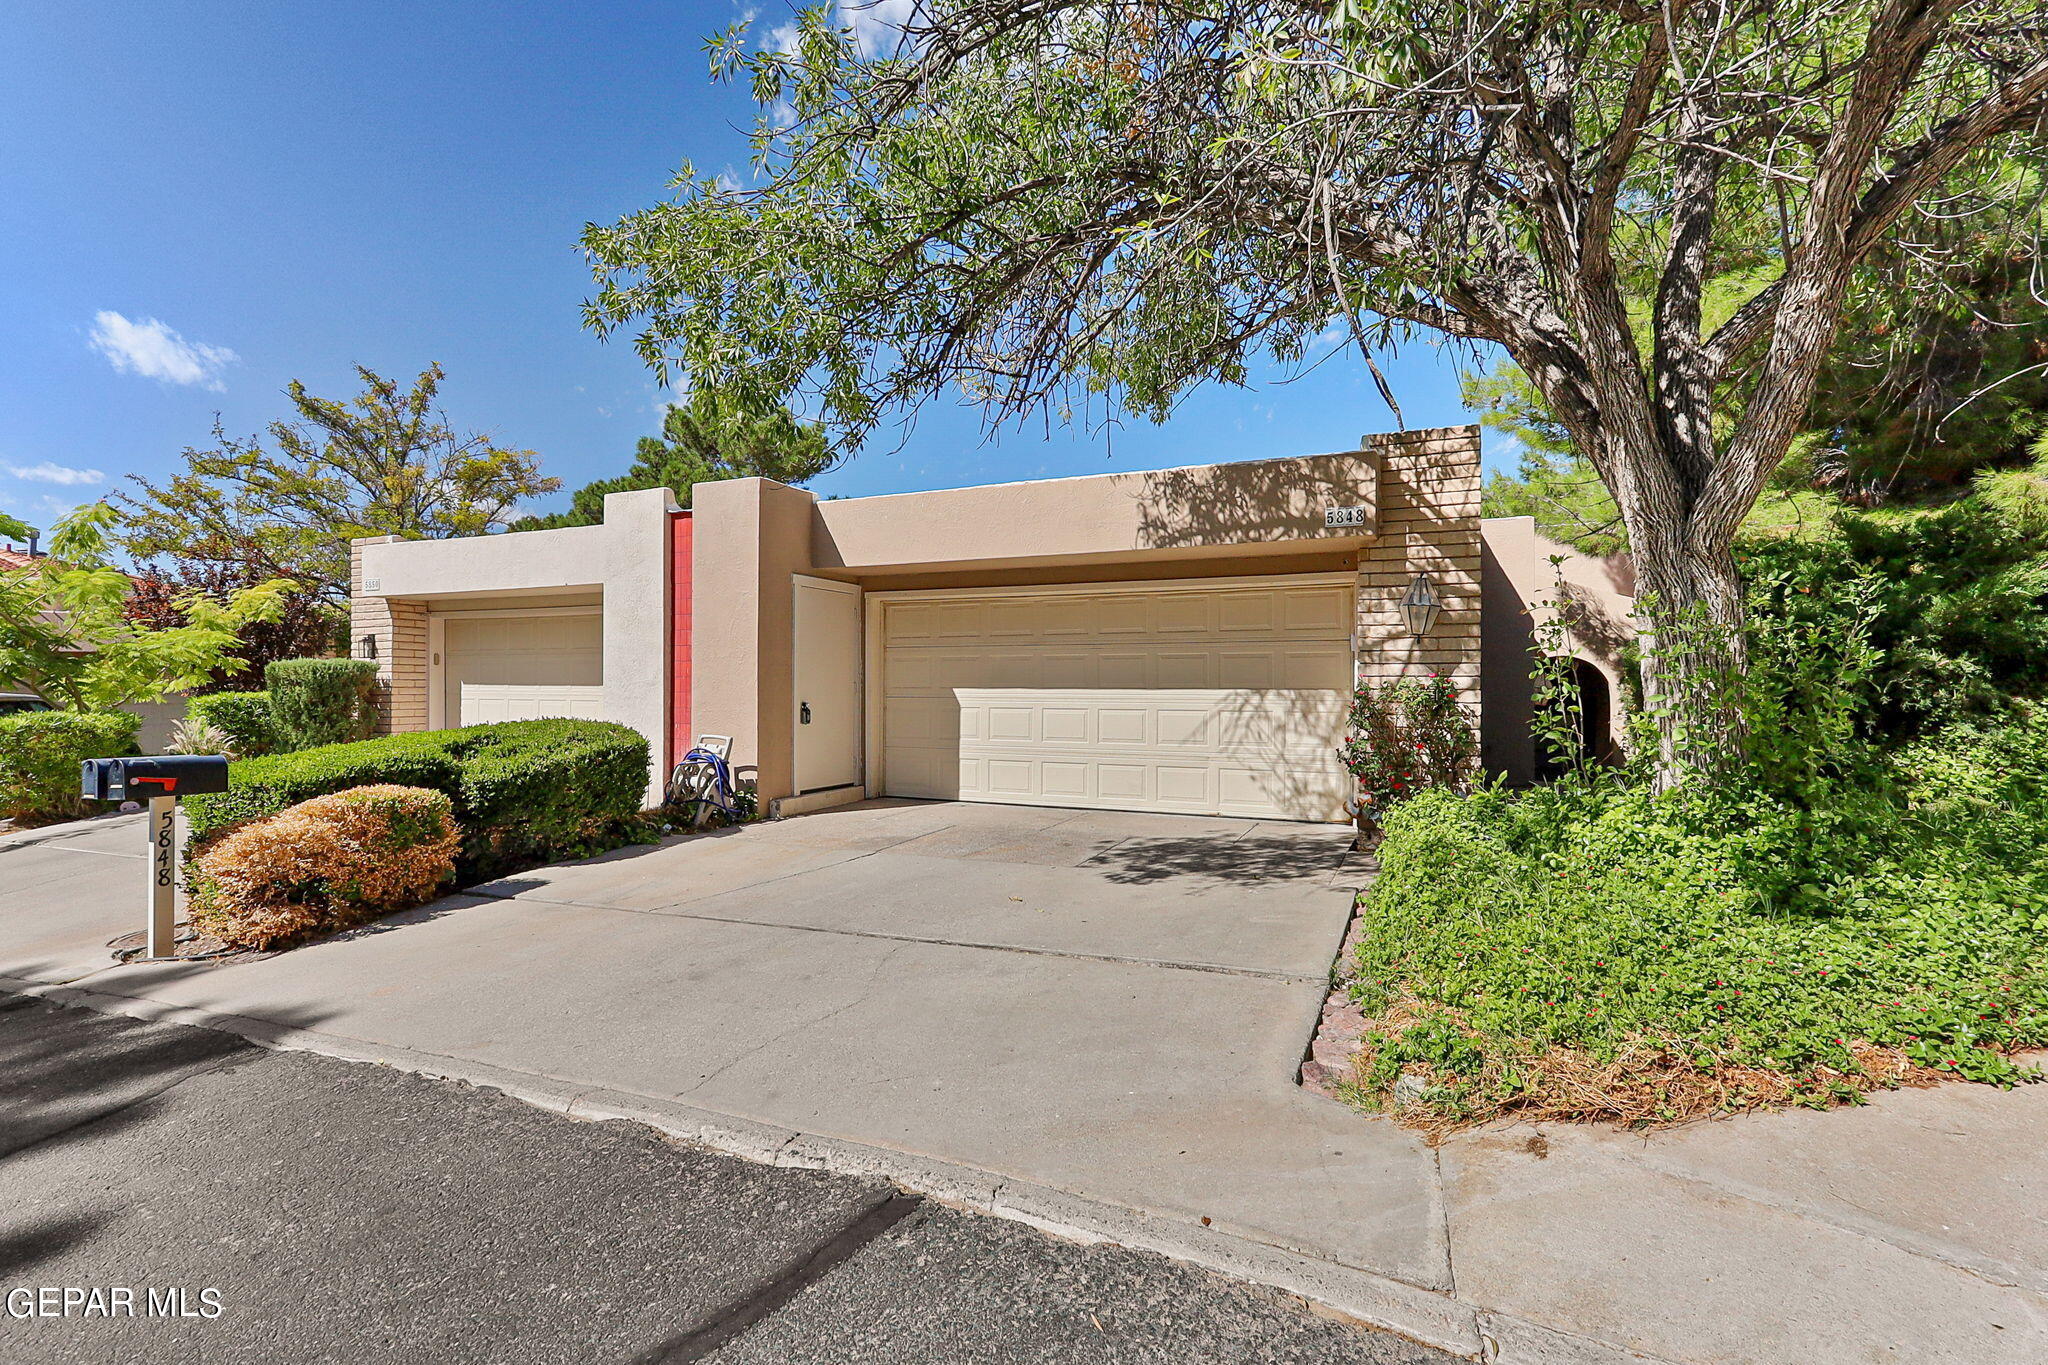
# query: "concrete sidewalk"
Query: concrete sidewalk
1093,1021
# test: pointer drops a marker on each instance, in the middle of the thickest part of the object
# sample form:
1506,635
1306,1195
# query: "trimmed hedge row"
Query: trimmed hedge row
524,791
39,756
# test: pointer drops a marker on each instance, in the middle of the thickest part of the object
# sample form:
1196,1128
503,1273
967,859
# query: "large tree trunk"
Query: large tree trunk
1689,598
1661,471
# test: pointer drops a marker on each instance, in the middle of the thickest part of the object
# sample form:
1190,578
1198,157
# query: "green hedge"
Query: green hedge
525,791
317,702
40,753
246,718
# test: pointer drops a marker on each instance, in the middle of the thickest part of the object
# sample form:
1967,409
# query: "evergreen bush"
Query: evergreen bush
322,701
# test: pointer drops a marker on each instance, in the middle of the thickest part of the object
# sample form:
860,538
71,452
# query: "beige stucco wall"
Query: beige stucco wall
1250,508
1217,565
750,536
1520,590
396,585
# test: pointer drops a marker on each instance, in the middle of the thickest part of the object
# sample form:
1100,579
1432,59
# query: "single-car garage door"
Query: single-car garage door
523,667
1214,699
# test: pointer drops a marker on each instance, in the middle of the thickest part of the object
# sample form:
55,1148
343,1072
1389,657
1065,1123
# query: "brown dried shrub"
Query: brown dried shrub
1648,1086
325,864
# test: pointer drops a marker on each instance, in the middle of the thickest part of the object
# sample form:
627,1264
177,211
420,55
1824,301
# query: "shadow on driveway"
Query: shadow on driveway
1253,861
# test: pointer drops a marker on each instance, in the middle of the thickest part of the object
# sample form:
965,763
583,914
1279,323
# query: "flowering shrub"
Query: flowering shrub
1407,736
325,864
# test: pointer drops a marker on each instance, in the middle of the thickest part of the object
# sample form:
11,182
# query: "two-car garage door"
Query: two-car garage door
1205,699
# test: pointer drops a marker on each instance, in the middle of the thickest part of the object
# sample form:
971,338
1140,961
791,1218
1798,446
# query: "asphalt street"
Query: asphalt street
353,1213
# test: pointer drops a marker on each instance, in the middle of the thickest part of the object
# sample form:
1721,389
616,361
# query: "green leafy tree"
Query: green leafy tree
1934,374
1048,204
384,463
65,633
1937,377
702,441
1551,482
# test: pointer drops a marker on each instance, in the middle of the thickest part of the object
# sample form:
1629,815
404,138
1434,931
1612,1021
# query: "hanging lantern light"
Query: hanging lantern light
1420,605
366,647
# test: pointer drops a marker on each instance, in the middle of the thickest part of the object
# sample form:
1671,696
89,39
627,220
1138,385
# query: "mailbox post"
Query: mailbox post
160,781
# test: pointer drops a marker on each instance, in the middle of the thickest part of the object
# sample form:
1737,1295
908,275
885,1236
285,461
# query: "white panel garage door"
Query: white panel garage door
523,667
1211,700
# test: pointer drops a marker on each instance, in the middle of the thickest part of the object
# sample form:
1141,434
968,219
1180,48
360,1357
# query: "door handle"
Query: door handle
803,714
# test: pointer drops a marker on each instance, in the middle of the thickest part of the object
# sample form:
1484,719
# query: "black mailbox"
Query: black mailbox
135,779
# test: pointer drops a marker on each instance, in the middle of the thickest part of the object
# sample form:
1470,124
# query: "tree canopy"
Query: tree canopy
383,463
702,441
1940,368
65,631
1050,203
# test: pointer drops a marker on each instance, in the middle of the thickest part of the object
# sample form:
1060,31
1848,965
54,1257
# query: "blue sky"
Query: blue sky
207,200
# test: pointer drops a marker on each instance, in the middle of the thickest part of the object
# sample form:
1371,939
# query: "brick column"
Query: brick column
1428,522
400,630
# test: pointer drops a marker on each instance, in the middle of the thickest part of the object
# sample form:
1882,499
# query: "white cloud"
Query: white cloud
878,25
54,473
154,351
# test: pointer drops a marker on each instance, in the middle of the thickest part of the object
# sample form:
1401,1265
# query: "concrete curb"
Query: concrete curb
1424,1315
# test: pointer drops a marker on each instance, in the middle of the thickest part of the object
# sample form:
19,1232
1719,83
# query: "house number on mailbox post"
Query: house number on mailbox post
160,781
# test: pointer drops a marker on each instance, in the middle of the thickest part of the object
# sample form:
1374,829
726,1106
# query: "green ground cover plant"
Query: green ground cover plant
524,792
1863,904
1598,952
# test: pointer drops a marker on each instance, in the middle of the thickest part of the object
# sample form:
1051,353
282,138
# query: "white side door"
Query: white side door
827,715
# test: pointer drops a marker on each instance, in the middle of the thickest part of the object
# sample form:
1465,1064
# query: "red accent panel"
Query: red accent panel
680,541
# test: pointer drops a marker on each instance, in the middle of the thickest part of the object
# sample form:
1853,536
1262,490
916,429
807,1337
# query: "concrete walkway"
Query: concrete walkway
1093,1022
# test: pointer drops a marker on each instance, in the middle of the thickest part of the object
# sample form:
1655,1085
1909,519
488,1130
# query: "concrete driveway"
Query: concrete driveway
1093,1022
1060,1003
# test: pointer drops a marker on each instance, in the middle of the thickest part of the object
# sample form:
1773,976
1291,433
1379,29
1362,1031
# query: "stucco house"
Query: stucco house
1184,640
